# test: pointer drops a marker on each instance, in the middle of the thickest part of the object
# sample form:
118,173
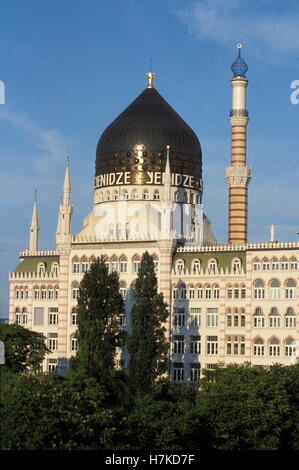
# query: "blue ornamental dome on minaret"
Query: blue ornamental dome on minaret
239,67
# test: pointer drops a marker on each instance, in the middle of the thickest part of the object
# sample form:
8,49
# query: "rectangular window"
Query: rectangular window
194,372
212,345
212,317
178,345
178,372
53,341
195,344
38,315
195,317
179,319
53,316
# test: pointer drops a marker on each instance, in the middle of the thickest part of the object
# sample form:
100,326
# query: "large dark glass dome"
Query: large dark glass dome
151,122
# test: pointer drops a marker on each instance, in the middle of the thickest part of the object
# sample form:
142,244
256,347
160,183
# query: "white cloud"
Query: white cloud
267,33
50,146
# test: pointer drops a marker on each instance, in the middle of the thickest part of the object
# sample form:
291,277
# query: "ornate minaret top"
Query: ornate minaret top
34,228
63,233
239,67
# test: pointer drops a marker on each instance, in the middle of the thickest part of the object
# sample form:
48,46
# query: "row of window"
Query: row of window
234,318
52,342
235,345
275,289
39,292
114,263
275,264
180,291
179,196
212,265
41,268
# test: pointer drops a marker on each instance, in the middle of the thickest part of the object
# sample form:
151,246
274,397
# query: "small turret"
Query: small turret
34,228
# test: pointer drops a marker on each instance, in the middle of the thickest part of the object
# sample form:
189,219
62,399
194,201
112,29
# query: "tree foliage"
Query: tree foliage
99,307
147,344
24,349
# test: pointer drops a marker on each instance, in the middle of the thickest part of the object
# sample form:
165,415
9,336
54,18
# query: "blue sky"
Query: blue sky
70,67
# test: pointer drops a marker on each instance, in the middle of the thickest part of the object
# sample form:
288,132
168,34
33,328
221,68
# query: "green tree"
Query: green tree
147,345
243,407
100,305
48,412
24,349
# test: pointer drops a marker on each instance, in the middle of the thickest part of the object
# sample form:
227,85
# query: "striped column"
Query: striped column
238,174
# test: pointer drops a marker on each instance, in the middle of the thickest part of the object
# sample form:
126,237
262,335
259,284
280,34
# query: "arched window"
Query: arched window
50,293
36,293
180,266
191,292
75,290
236,265
183,291
199,291
106,261
290,318
274,289
56,292
236,317
114,263
41,268
136,264
274,347
76,265
74,344
256,264
208,291
156,195
216,291
266,264
125,194
119,231
17,293
175,292
284,264
196,266
274,318
258,319
17,315
258,347
55,268
43,292
290,291
275,264
74,317
236,291
115,195
21,292
290,347
145,194
135,194
176,196
212,264
243,291
123,264
107,195
84,264
123,289
229,292
24,315
185,197
293,264
259,289
243,318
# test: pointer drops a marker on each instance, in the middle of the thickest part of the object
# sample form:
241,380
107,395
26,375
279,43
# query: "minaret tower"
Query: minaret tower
63,233
34,228
238,174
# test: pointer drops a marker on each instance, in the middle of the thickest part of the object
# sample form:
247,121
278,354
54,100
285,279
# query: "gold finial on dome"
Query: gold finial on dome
150,80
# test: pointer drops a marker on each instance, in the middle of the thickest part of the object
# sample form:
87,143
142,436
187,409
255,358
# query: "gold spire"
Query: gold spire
150,80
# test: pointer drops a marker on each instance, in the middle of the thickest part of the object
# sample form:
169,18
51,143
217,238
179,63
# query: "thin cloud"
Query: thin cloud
51,146
231,21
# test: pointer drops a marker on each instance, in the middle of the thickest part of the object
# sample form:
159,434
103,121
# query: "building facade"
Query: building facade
228,302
